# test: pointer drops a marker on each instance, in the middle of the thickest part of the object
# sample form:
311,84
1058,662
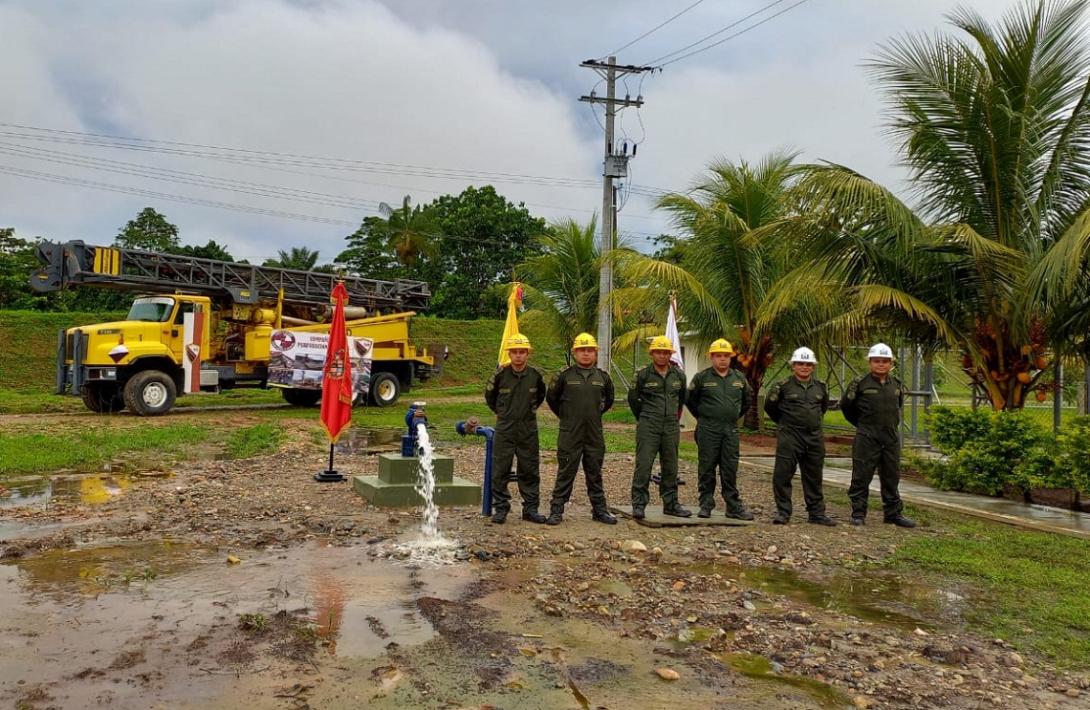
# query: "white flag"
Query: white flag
671,333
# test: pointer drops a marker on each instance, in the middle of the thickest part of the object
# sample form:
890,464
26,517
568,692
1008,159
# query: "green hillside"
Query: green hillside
29,338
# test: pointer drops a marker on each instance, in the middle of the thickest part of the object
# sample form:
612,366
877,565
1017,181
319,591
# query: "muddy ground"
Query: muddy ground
222,584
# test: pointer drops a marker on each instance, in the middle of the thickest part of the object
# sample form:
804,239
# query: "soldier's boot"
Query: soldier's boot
533,516
637,512
602,515
499,517
740,514
556,516
705,512
677,510
900,521
823,520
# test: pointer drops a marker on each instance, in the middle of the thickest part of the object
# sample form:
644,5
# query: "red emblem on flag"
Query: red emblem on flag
337,390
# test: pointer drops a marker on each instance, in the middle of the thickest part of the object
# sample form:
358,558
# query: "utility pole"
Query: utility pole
614,165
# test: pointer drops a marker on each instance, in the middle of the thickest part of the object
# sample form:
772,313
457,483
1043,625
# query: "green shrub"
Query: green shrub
988,451
952,428
1073,457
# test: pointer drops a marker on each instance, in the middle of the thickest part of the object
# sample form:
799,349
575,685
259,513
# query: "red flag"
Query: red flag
337,390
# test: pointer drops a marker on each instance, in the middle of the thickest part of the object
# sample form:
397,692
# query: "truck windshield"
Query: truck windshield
152,310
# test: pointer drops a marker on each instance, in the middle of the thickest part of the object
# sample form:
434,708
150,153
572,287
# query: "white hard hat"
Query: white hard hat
804,355
880,350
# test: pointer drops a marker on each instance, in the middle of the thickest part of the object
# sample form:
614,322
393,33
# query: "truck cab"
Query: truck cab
99,361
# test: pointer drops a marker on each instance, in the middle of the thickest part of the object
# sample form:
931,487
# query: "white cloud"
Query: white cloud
474,84
346,81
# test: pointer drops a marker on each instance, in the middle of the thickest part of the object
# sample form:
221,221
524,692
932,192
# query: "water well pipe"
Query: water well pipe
413,418
471,426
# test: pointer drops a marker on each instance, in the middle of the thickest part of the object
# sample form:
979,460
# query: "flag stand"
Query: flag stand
330,475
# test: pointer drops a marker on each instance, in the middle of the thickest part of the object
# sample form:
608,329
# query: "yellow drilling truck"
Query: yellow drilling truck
140,364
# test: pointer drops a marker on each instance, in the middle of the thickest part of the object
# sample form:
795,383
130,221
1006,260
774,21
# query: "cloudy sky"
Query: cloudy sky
265,124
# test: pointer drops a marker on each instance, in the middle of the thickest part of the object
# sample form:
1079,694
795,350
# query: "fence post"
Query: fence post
1058,396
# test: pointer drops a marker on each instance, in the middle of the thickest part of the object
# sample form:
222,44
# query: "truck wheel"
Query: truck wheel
301,398
385,389
102,397
150,393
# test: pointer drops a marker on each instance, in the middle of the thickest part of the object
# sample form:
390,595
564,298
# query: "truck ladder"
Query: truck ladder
75,263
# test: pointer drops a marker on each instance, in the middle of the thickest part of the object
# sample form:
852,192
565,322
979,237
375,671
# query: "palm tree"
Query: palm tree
300,258
562,281
718,218
994,127
411,231
561,284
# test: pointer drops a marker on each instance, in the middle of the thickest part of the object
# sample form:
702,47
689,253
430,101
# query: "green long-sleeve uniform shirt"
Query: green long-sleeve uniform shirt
874,408
515,397
717,400
656,400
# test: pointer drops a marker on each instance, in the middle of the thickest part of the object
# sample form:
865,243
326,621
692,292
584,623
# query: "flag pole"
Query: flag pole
337,383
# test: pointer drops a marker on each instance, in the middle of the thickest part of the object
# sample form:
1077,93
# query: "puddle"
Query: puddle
760,668
90,489
363,440
70,610
93,570
873,596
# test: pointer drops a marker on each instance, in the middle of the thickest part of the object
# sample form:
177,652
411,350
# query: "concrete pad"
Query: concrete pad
655,519
398,469
458,492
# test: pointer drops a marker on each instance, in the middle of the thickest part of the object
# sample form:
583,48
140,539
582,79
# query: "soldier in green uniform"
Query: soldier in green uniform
656,398
797,405
873,404
718,397
579,396
514,393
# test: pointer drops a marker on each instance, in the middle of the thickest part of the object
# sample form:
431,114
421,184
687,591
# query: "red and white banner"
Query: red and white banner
192,335
297,360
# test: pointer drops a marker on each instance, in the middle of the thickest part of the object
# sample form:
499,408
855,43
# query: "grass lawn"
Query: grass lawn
87,449
256,440
1033,585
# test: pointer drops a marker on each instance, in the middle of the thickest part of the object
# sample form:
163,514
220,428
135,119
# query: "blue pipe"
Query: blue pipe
414,416
488,433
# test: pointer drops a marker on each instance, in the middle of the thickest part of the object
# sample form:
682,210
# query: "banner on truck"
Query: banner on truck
297,358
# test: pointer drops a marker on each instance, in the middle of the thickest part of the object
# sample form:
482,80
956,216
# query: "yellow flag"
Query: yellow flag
511,325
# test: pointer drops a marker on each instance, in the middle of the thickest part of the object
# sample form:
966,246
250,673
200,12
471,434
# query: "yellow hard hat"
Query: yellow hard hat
584,340
518,340
721,346
661,342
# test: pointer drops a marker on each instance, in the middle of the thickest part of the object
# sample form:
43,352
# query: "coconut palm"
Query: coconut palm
561,284
300,258
994,127
718,218
410,231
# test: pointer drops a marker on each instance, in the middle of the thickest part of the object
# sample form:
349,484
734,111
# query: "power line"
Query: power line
718,32
228,184
248,155
217,204
187,178
736,34
654,29
263,158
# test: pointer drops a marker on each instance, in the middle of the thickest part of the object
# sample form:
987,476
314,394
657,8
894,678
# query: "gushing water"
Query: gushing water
425,484
430,547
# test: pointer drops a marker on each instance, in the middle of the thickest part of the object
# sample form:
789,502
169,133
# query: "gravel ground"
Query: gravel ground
706,598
